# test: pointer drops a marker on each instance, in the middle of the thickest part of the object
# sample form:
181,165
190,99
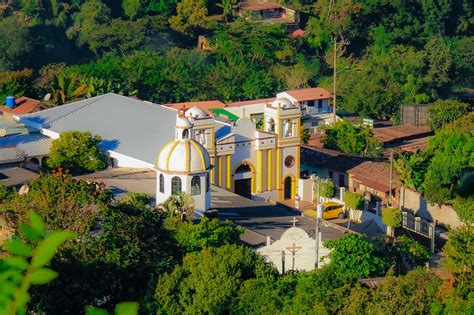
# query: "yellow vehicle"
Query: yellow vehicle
333,210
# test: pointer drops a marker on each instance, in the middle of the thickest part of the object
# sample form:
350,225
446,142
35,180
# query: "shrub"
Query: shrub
354,201
392,217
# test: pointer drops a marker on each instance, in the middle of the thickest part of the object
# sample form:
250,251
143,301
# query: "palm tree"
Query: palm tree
179,205
66,88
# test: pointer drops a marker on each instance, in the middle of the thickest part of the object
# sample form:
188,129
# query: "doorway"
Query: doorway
243,181
288,187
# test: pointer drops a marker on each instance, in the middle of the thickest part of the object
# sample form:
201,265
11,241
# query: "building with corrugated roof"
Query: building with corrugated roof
256,163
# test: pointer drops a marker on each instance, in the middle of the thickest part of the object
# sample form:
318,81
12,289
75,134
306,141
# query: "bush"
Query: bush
79,151
326,188
354,201
392,217
4,191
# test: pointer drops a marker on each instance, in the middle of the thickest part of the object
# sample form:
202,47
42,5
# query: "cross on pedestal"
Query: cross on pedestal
293,249
294,221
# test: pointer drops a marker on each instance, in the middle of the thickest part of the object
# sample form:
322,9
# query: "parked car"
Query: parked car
333,210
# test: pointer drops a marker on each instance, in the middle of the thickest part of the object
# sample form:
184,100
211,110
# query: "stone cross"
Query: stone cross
294,221
293,249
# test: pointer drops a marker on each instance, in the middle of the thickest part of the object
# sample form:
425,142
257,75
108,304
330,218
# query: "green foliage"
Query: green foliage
218,270
392,217
415,293
190,14
350,138
75,150
179,206
132,8
4,192
443,112
207,233
124,308
464,207
15,44
67,88
25,264
62,202
353,255
452,149
413,250
326,188
14,83
124,250
412,169
354,201
304,135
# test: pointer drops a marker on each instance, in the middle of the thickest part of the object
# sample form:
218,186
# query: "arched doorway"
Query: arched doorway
243,181
288,187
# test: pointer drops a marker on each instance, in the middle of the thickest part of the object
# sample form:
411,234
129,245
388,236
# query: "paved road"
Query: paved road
263,219
259,218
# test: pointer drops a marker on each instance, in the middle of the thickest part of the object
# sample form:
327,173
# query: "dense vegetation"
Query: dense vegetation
128,251
389,53
443,171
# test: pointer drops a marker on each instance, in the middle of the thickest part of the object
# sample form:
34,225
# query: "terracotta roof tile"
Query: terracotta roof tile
252,102
201,104
309,94
400,132
23,105
375,175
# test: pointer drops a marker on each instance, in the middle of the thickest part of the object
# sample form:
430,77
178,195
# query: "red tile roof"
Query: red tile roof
257,6
298,33
23,105
252,102
201,104
375,175
400,132
309,94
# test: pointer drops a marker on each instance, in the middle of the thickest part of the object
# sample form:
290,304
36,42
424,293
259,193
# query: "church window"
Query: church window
289,161
175,185
162,184
185,134
271,125
196,186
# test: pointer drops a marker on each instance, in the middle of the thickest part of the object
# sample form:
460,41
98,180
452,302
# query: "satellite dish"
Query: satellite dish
47,97
24,190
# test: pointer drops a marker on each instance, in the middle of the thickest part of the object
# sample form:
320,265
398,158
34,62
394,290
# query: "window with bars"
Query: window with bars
196,186
175,185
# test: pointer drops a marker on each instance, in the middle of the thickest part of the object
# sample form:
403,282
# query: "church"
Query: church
250,162
191,146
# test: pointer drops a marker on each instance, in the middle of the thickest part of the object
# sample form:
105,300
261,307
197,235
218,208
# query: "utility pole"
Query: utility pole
318,222
391,179
334,84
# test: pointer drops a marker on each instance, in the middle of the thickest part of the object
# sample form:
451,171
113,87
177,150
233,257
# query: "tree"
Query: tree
353,255
92,14
18,273
124,250
349,138
207,233
179,206
62,202
412,169
190,14
452,149
15,45
392,217
304,135
326,188
14,83
66,88
354,201
132,8
78,151
443,112
208,281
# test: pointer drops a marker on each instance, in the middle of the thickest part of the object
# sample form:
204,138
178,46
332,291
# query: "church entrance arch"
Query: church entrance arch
288,187
243,180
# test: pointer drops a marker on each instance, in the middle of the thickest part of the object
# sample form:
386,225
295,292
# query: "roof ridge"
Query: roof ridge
51,122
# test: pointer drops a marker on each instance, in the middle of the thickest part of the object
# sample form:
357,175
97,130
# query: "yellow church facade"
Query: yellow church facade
255,163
